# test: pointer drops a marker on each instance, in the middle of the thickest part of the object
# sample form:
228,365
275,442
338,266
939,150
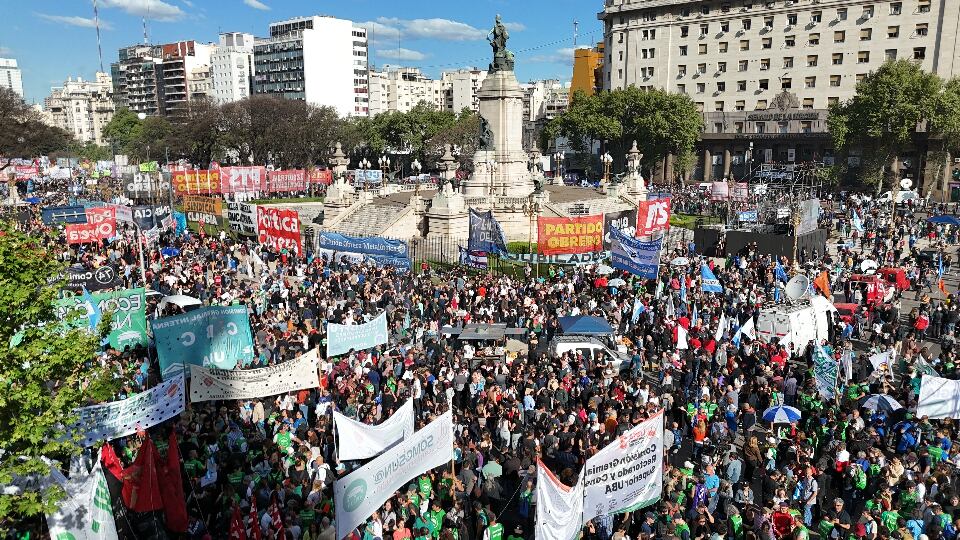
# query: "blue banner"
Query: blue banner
213,336
64,214
369,176
381,251
485,233
181,222
635,256
709,281
747,216
343,338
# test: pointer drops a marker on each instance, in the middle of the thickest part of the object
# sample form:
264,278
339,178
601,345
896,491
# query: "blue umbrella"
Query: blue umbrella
781,414
949,220
881,402
169,252
33,200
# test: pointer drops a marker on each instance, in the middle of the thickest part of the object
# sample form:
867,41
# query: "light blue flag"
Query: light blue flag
92,308
638,309
780,274
857,224
709,282
694,316
683,289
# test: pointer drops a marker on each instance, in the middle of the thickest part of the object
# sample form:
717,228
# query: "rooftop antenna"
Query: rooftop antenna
576,30
145,41
96,20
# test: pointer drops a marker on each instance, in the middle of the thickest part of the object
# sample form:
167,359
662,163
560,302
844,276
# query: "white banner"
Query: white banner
121,418
356,440
359,494
86,513
626,474
208,384
809,214
559,507
939,398
341,338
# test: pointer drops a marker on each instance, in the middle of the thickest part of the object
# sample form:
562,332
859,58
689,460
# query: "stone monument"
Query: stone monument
633,182
500,165
340,194
448,214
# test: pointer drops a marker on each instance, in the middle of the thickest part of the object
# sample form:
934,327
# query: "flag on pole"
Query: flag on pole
255,533
276,523
638,309
940,284
822,282
857,224
721,327
709,281
825,372
682,338
237,530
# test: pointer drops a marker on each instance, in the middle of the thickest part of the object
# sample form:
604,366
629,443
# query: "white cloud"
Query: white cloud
156,10
83,22
257,4
389,29
4,51
560,56
515,26
401,54
187,3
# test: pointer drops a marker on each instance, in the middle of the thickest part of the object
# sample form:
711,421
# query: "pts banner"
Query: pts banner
569,235
279,229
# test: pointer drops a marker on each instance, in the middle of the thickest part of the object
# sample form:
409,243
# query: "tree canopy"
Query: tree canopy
23,133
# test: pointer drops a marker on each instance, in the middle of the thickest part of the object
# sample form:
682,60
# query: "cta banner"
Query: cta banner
627,474
80,278
569,235
279,229
342,338
318,176
148,216
635,256
86,513
359,494
381,251
289,180
208,384
198,182
243,179
242,218
653,216
139,412
559,507
624,221
356,440
128,326
212,336
485,233
206,210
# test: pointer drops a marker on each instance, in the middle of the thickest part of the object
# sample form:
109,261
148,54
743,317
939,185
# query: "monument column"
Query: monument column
726,163
707,165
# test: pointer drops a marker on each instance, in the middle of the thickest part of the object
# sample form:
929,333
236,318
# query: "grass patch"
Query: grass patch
690,221
288,200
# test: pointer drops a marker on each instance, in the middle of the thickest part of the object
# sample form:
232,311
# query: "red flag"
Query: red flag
111,461
254,520
277,523
141,491
237,530
943,287
171,489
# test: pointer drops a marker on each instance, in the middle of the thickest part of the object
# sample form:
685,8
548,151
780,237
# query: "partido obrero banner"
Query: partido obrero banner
208,384
359,494
356,440
137,413
342,338
129,316
380,251
569,235
213,336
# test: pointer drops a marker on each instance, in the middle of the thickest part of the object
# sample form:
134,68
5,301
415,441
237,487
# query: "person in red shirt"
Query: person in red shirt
783,520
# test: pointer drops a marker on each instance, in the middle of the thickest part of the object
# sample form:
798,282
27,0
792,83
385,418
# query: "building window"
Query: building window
683,50
725,8
893,32
832,100
704,30
863,57
701,68
806,126
619,73
705,9
684,31
722,67
786,83
789,41
740,105
745,45
810,82
746,24
866,34
835,80
725,26
684,12
702,48
816,16
812,60
741,86
768,22
761,127
787,62
721,87
890,55
767,43
761,104
808,103
791,19
921,29
682,88
738,126
839,36
923,6
896,8
919,53
841,14
701,88
764,64
681,71
783,127
763,84
718,106
723,46
814,40
867,12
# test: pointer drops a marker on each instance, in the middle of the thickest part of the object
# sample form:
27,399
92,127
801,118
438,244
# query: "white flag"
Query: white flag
359,494
749,330
86,513
721,326
682,338
559,507
356,440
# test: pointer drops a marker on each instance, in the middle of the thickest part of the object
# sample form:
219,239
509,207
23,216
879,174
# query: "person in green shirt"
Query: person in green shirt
283,439
494,530
517,534
425,486
424,534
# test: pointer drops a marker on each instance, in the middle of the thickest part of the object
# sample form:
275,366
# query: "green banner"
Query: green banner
150,166
129,324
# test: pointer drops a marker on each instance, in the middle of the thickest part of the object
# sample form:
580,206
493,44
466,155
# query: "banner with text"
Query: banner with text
321,176
289,180
105,220
381,251
809,216
939,398
624,221
150,216
243,179
559,507
206,210
128,324
242,218
97,279
198,182
86,512
279,229
635,256
208,384
342,338
627,474
73,214
653,216
359,494
556,235
356,440
485,233
212,336
138,412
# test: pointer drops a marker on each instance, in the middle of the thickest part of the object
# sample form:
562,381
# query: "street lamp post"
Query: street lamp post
384,162
364,165
607,161
558,173
532,210
416,166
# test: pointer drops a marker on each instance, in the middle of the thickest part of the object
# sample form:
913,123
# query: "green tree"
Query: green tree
883,116
23,134
122,130
43,378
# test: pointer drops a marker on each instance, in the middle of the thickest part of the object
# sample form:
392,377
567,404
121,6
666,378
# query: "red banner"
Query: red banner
26,172
318,176
279,229
556,236
85,233
719,191
104,219
290,180
653,216
740,192
196,182
243,179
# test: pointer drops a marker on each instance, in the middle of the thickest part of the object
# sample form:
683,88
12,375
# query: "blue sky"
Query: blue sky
53,39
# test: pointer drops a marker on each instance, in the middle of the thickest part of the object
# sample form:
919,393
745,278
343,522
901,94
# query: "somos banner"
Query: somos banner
285,181
243,179
359,494
279,229
627,474
137,413
206,210
208,384
212,336
569,235
129,321
381,251
342,338
356,440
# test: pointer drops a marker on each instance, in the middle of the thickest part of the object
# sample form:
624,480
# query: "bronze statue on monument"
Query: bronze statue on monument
502,58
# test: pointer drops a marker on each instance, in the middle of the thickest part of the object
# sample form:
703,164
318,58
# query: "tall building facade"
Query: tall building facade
765,72
231,67
134,76
321,60
587,70
403,88
460,88
82,108
10,76
162,79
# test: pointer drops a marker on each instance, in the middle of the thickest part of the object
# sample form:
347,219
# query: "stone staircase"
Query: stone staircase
371,219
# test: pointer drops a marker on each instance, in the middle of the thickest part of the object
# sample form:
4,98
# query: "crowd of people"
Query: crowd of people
841,471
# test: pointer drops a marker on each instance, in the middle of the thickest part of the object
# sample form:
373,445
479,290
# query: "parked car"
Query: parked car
895,276
592,348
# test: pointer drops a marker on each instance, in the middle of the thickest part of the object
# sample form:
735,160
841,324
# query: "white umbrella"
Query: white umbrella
181,300
781,414
515,345
616,282
680,261
604,270
881,402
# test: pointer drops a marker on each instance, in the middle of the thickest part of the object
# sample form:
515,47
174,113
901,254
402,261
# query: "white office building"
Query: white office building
322,60
231,68
403,88
82,108
460,89
10,76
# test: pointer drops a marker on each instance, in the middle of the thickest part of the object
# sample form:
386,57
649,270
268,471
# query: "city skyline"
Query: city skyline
407,33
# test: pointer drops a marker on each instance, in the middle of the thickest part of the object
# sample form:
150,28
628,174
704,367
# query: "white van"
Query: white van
795,325
592,348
